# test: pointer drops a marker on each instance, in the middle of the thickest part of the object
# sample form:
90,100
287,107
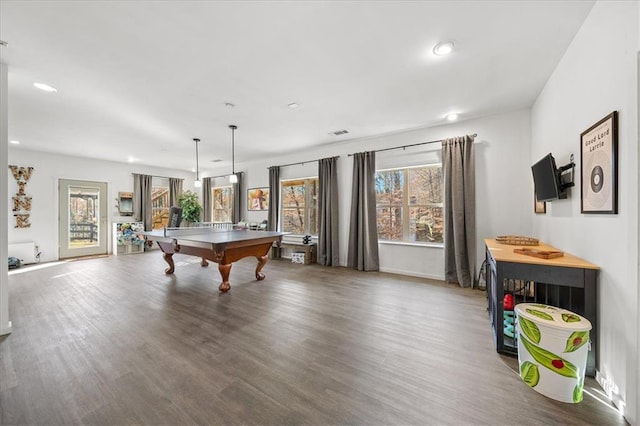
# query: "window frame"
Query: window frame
307,207
160,183
213,203
406,206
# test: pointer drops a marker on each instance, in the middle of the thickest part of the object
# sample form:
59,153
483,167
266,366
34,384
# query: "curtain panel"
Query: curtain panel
328,238
458,170
237,199
274,198
142,206
206,199
175,189
363,231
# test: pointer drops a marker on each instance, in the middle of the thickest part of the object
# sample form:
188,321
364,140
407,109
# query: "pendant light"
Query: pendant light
197,183
233,178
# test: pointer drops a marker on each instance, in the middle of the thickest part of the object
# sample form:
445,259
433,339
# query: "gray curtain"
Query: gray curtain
328,243
238,196
175,189
142,208
206,200
458,170
363,231
274,198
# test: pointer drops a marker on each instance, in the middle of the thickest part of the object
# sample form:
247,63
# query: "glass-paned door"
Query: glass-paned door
82,210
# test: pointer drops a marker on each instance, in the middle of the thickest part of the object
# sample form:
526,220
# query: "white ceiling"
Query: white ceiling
141,79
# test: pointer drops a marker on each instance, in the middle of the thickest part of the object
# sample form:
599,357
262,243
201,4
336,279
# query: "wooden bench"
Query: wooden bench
309,250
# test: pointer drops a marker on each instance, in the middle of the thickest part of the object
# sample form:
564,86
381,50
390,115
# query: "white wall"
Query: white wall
598,74
502,170
501,208
43,188
5,324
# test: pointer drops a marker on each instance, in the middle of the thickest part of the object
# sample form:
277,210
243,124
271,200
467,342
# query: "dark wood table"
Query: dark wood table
220,246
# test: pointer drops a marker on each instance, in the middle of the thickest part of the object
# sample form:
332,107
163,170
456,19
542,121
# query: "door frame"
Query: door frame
102,248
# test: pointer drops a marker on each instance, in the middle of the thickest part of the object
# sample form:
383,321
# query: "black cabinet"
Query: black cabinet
568,283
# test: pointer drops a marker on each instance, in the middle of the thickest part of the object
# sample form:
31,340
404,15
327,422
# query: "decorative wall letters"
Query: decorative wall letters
21,202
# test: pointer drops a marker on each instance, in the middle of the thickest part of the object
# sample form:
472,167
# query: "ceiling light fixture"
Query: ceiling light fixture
197,183
233,178
14,142
45,87
293,105
452,116
443,48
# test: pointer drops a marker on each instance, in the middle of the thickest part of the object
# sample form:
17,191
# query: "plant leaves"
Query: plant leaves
550,360
578,391
540,314
530,329
529,373
570,318
539,305
576,341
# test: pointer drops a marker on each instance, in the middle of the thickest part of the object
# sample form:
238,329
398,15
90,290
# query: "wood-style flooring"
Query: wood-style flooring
115,341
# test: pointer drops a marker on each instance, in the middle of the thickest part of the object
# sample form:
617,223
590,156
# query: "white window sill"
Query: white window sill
406,243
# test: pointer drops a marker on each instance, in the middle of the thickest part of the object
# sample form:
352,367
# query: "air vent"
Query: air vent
339,133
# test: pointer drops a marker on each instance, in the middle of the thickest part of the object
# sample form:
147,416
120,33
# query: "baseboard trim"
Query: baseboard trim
412,274
6,330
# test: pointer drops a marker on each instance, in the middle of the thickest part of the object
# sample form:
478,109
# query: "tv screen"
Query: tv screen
546,179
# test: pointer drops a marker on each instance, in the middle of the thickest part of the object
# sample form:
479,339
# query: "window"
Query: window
299,206
160,202
409,204
222,204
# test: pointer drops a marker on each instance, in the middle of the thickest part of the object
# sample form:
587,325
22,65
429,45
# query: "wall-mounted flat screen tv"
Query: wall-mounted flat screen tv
546,179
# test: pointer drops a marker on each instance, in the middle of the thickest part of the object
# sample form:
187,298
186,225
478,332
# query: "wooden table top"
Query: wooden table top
504,253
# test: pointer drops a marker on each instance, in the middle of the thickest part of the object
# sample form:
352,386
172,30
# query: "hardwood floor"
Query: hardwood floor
115,341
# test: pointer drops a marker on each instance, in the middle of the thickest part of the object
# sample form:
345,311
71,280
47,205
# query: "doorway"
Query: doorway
82,218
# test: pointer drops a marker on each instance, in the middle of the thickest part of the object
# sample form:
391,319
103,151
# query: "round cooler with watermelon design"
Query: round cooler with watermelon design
553,345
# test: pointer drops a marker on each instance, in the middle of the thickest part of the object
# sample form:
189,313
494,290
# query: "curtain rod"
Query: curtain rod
219,176
163,177
303,162
413,144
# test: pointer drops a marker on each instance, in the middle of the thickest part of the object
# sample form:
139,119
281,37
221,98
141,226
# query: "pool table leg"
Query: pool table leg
261,262
168,257
224,272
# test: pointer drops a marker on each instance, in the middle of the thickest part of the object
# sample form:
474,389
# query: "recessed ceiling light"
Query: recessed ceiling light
443,48
193,170
45,87
14,142
131,159
293,105
229,105
452,116
217,160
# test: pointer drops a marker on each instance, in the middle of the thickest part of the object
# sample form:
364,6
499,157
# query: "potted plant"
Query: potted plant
191,207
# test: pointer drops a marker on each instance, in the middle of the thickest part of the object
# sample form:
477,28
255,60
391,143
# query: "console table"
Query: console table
566,282
309,250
